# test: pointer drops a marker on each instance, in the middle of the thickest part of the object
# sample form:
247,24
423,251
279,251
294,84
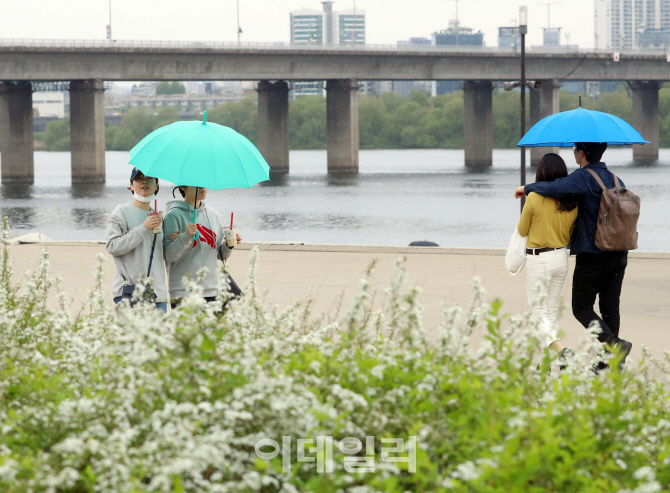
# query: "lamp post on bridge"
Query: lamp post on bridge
109,26
523,29
239,29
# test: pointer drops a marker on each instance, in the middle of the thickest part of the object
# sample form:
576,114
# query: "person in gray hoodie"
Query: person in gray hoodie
186,256
130,240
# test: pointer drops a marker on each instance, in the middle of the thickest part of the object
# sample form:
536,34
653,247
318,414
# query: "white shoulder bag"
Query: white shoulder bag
515,258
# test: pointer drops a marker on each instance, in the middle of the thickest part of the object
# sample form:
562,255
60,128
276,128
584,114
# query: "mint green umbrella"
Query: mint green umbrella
200,154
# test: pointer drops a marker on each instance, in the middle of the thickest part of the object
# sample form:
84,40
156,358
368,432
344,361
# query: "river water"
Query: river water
398,196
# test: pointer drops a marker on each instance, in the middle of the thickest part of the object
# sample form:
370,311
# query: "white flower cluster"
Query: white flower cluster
138,400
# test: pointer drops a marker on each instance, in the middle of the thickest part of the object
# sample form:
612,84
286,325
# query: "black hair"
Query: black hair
551,167
183,194
593,151
141,175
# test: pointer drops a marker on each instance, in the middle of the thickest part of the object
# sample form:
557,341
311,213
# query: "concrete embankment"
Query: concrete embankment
325,273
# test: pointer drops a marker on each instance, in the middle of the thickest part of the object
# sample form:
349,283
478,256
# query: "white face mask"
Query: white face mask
144,199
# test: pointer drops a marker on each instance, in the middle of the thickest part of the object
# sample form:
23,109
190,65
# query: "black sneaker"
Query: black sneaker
624,347
600,366
563,358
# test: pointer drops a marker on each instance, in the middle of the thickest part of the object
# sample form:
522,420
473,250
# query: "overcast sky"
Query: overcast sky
268,20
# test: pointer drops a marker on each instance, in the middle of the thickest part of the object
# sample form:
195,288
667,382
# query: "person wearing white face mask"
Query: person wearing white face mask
136,249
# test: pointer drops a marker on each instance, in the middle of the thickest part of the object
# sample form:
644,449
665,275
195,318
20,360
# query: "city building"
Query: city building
416,41
307,26
551,36
507,37
351,26
404,87
455,35
49,103
631,24
327,26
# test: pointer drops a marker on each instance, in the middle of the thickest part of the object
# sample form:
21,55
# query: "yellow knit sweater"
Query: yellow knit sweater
544,224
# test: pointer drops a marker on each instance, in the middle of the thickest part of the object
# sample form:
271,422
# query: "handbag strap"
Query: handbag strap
151,258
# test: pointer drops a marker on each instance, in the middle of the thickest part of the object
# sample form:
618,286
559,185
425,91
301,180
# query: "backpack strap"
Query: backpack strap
600,182
616,181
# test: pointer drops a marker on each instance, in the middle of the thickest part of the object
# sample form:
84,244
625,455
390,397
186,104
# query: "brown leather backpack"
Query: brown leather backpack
617,217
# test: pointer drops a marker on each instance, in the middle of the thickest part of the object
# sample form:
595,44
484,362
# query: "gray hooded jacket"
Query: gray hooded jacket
129,242
185,256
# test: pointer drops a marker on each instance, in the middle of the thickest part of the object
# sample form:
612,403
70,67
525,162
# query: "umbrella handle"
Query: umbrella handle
197,234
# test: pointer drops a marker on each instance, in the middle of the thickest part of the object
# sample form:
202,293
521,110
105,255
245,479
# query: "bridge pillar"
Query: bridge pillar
16,132
273,124
544,101
342,125
645,118
478,122
87,131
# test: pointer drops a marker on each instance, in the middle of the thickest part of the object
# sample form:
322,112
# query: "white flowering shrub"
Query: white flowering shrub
137,400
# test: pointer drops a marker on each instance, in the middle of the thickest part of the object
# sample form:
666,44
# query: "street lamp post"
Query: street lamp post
239,31
523,29
109,26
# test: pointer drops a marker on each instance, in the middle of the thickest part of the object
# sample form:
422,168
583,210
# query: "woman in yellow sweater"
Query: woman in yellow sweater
548,224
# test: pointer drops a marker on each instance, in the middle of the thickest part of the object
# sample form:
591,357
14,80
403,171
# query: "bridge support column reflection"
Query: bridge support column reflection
87,131
478,122
342,125
645,118
544,101
273,124
16,132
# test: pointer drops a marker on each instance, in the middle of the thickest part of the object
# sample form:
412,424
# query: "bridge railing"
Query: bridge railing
281,46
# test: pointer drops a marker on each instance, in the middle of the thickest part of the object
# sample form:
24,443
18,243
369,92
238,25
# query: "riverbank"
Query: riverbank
327,273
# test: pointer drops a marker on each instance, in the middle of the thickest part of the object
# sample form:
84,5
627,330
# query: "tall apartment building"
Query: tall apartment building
631,24
327,26
307,27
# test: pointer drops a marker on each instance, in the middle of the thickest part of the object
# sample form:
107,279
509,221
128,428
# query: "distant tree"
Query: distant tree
124,140
241,116
165,116
664,116
416,121
57,136
136,124
168,88
307,123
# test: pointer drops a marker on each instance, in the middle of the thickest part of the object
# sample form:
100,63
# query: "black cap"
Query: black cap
134,173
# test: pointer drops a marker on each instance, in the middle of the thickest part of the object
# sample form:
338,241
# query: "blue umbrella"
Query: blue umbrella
580,125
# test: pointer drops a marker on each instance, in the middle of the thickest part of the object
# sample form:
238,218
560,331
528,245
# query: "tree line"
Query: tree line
416,121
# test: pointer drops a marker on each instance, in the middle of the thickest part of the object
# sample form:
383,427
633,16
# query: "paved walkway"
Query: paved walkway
323,272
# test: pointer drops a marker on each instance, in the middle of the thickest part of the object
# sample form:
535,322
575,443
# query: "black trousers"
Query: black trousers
599,275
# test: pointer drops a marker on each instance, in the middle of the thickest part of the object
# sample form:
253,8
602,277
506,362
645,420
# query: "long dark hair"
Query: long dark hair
551,167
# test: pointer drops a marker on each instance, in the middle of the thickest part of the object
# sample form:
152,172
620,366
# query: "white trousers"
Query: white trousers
551,268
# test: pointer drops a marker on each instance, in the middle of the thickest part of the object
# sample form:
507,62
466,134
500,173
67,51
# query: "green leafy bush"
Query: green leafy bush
141,401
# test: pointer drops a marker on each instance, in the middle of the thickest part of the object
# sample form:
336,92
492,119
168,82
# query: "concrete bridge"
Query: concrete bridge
88,64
